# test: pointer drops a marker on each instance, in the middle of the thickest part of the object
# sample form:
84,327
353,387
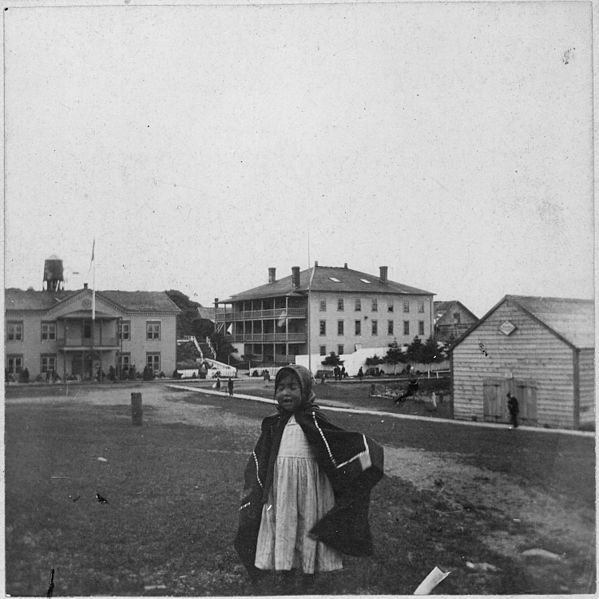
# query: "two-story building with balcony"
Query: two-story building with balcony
324,309
77,332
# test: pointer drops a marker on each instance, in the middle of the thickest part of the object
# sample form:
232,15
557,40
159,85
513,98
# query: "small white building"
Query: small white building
541,350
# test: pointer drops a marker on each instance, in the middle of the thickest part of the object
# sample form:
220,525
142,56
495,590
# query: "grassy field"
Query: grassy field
173,488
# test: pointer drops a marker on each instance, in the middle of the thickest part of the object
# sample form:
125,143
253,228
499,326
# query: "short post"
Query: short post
136,410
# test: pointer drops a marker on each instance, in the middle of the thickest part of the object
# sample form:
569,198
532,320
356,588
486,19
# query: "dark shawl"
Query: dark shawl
352,461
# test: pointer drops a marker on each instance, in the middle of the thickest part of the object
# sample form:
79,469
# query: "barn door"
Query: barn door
526,392
495,400
492,400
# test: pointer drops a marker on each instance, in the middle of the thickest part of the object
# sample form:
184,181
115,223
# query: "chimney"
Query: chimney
345,265
272,275
295,276
383,275
84,285
315,262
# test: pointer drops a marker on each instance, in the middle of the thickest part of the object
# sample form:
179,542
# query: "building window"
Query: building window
456,317
339,327
14,330
14,364
375,305
323,305
125,330
153,361
340,304
406,306
48,332
340,350
152,330
124,362
421,307
389,327
323,350
358,328
375,327
48,363
358,305
390,307
323,327
421,327
87,329
406,327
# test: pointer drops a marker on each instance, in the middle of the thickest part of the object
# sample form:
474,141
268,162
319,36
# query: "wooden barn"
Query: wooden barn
541,350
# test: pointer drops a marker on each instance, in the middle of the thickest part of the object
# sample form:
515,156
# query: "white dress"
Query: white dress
300,496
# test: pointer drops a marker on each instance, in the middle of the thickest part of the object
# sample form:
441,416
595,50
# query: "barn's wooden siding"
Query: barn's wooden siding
531,353
586,377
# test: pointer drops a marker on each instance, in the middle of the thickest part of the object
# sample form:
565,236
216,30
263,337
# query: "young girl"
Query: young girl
307,487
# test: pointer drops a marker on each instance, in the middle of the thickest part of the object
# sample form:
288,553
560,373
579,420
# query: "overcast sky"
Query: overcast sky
201,145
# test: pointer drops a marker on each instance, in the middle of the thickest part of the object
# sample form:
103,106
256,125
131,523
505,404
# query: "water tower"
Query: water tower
53,274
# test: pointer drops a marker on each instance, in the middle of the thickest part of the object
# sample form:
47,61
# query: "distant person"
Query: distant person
343,372
409,392
299,512
360,374
230,386
513,408
217,384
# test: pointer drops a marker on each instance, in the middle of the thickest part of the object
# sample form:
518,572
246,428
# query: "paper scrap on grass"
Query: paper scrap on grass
536,552
102,460
154,587
434,577
482,567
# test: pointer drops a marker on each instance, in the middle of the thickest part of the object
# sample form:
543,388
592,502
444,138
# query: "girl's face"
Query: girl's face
289,393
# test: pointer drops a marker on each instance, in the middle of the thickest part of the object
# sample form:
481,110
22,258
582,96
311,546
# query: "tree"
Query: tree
332,360
187,353
395,355
222,347
415,350
429,351
373,361
189,321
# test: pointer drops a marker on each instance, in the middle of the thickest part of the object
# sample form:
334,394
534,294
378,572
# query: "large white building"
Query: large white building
324,309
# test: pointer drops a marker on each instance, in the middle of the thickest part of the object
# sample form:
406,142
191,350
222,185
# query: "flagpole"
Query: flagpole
93,306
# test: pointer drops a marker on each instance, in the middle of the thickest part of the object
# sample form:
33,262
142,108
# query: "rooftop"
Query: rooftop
572,319
327,278
130,301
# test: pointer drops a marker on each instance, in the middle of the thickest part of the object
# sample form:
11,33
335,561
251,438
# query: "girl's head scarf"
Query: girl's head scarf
305,380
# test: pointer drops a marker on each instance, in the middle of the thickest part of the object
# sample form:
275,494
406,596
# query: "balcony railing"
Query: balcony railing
262,314
270,338
98,343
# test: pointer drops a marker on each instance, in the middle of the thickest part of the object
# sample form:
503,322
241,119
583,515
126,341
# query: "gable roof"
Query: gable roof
18,299
441,308
328,279
130,301
142,301
572,320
